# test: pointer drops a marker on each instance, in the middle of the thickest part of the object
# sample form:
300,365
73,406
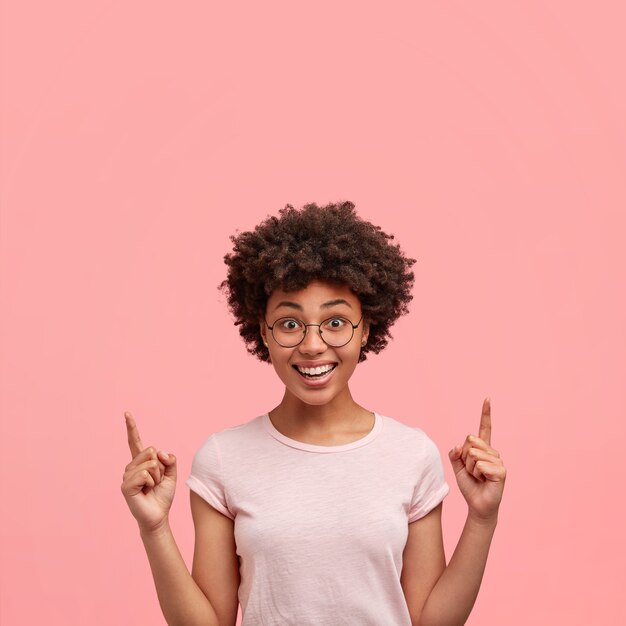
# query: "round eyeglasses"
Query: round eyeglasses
335,331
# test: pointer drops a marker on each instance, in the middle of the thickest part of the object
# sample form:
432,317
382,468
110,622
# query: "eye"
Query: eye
335,323
289,324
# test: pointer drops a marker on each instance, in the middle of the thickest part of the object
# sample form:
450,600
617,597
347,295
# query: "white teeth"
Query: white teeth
315,370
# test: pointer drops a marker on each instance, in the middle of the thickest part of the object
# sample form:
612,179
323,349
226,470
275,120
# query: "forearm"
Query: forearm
453,596
181,600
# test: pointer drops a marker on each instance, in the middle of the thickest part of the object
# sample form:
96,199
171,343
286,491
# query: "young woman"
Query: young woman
321,511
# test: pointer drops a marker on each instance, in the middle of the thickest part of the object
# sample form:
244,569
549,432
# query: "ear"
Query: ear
263,329
366,332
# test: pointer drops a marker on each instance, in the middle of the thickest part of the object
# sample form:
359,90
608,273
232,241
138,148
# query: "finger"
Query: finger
159,473
134,440
146,455
170,465
474,455
166,460
484,432
491,471
142,457
151,466
160,466
140,480
455,459
472,441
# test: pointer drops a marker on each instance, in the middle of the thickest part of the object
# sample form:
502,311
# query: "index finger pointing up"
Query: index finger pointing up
484,432
134,440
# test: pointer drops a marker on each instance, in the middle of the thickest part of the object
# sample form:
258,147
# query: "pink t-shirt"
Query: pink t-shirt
320,530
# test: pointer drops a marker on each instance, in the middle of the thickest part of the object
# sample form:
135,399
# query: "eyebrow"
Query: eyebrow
326,305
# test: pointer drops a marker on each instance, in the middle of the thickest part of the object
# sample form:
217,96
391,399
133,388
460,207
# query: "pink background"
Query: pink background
137,136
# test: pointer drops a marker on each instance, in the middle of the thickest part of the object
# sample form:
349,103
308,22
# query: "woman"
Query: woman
319,511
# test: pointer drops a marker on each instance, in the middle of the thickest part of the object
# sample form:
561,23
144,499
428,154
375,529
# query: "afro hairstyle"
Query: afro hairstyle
329,243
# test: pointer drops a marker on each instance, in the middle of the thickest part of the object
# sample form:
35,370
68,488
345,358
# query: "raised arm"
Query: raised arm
148,486
480,475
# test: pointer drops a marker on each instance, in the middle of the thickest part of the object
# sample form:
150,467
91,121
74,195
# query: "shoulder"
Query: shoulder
409,435
233,440
220,452
234,433
410,445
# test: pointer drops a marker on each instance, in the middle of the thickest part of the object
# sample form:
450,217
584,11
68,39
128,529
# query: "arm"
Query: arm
209,596
181,600
423,561
215,559
148,486
452,598
437,595
447,600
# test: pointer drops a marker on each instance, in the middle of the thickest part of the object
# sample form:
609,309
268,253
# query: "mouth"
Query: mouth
316,374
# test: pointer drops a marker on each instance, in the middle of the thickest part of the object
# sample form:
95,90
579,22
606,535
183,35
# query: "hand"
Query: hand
149,481
479,470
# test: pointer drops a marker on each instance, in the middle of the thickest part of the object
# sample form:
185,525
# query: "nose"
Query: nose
312,342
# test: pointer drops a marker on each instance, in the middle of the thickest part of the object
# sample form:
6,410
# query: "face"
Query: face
317,302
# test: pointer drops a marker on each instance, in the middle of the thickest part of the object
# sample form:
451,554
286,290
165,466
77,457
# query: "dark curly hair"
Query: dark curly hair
329,243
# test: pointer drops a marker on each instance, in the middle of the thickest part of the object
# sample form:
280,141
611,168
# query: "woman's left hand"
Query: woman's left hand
479,470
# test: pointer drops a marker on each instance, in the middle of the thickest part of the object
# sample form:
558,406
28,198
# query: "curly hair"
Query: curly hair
329,243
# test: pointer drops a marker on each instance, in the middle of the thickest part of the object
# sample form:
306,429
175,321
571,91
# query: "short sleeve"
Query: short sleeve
431,487
206,477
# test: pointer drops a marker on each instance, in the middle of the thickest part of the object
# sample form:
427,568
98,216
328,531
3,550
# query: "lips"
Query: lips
318,370
317,379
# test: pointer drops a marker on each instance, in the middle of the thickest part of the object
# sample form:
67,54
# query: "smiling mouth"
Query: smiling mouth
315,372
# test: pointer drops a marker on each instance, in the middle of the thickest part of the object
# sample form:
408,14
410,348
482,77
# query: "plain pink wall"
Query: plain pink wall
137,136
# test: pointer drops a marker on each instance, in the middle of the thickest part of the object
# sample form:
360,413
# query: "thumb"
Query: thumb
455,459
169,460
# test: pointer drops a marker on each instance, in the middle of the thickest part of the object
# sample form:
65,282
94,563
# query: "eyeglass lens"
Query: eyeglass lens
335,331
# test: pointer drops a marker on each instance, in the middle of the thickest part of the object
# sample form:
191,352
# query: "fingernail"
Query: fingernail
165,454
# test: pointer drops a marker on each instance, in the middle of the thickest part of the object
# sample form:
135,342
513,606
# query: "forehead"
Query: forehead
317,295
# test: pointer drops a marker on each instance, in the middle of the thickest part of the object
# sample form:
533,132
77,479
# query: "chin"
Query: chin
318,400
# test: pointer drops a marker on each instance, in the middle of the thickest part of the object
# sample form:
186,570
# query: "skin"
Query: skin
480,475
479,470
436,594
326,415
149,480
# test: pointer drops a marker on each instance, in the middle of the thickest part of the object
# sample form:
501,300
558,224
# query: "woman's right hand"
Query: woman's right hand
149,481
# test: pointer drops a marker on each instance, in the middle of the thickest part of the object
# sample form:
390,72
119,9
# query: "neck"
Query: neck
337,415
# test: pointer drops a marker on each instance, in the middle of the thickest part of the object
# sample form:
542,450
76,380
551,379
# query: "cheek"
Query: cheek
350,359
279,362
